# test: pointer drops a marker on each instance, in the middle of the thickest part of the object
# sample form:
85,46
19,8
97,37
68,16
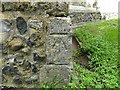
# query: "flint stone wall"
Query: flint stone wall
36,44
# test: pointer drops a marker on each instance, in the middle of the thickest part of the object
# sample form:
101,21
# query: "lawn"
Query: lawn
99,41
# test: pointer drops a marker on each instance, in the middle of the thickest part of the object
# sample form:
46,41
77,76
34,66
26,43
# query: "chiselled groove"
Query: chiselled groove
58,33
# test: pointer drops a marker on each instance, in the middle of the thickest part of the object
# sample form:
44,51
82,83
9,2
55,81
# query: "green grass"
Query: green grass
99,41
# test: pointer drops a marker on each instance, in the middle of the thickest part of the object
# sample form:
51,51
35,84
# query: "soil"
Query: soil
83,60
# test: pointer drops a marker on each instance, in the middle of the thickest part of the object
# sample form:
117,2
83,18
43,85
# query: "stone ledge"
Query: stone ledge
51,8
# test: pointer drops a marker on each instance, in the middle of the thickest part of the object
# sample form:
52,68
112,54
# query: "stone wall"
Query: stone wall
81,14
84,16
36,44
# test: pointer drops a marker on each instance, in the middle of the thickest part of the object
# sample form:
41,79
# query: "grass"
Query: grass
100,42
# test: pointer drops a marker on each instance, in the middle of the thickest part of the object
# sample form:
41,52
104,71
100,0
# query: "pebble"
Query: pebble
16,44
34,68
37,57
36,25
21,25
9,70
18,80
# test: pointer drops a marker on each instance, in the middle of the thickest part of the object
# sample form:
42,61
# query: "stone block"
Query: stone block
24,0
9,0
51,8
79,17
15,6
58,76
59,49
59,26
58,9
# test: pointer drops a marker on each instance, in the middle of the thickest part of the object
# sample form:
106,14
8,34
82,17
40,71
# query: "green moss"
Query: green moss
14,41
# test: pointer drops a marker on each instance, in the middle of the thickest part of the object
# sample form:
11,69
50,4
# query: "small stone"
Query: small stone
4,49
21,25
18,80
34,68
4,30
37,57
1,48
30,42
34,39
16,44
26,50
7,22
32,79
35,25
26,64
9,70
11,60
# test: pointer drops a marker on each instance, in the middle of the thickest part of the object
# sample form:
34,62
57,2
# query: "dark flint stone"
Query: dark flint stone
1,47
34,68
6,22
21,25
9,70
38,57
26,64
30,42
2,6
18,80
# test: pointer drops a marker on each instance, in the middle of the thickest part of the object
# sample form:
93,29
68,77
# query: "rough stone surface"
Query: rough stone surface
79,17
59,26
20,67
5,30
59,74
59,42
51,8
15,6
9,70
37,46
59,49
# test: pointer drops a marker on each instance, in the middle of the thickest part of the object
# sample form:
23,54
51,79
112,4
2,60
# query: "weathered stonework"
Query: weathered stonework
85,16
35,48
59,26
55,74
36,42
50,8
59,42
59,49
